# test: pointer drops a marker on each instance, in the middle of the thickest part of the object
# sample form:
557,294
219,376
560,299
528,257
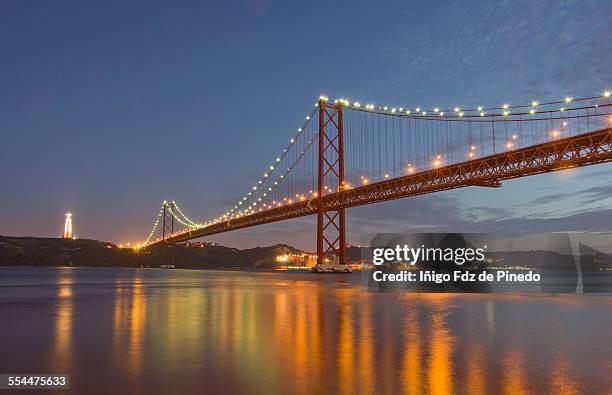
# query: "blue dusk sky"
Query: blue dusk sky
108,108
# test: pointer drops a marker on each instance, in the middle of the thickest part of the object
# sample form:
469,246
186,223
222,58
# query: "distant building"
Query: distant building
199,244
310,260
68,226
296,260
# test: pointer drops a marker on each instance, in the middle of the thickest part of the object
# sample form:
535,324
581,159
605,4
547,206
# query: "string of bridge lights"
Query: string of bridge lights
459,112
275,184
186,221
182,222
192,223
418,112
268,172
155,225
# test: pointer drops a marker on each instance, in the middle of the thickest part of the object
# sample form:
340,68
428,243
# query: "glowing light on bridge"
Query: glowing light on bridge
471,152
437,162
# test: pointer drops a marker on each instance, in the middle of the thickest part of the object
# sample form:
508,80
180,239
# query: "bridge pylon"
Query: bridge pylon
167,220
331,223
169,209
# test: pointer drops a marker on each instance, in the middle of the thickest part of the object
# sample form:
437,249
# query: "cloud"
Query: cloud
503,50
597,194
444,212
592,221
548,198
585,196
476,213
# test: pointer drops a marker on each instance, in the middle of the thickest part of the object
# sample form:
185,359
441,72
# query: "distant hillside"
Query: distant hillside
33,251
217,256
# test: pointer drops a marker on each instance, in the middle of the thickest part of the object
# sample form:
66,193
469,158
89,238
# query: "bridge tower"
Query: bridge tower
331,236
168,225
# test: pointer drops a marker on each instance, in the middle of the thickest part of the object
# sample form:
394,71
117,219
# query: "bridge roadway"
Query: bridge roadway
576,151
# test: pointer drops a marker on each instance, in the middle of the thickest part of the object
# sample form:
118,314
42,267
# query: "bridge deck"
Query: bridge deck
577,151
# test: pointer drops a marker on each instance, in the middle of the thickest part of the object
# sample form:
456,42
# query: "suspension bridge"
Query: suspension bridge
347,154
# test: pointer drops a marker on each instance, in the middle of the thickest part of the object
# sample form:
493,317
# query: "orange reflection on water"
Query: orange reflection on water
412,370
223,316
387,349
119,311
514,376
304,337
475,381
440,374
300,346
561,379
314,334
129,327
345,352
366,347
62,346
138,317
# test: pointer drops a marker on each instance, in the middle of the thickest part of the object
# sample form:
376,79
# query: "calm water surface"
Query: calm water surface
174,331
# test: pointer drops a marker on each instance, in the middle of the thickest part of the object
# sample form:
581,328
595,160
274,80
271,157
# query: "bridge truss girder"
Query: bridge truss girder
577,151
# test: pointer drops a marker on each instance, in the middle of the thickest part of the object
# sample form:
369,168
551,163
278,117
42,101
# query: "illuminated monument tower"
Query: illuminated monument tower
68,226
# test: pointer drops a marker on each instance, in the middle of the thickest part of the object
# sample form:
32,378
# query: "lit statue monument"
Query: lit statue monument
68,226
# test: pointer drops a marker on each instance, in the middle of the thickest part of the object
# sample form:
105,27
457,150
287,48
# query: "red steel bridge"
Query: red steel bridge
348,154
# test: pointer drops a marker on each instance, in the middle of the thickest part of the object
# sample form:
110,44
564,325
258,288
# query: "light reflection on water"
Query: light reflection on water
154,331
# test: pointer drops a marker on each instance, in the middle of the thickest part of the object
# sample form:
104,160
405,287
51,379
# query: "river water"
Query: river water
154,331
